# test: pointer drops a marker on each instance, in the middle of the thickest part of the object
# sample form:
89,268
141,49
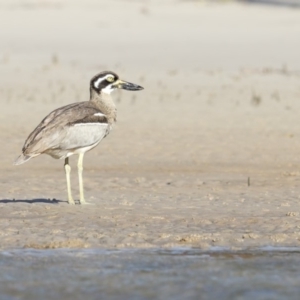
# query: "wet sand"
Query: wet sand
145,274
207,155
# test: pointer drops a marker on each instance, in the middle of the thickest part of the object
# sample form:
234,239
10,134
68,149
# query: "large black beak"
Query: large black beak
120,84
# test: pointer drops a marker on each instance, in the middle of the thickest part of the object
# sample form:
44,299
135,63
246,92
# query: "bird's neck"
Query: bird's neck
105,103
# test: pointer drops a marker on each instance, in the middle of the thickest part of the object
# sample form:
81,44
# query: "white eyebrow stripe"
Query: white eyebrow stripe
89,124
97,82
100,79
99,114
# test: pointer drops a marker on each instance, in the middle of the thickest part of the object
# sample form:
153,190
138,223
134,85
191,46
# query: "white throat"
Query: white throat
107,90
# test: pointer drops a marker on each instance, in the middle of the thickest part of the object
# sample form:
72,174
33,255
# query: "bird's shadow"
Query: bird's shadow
32,201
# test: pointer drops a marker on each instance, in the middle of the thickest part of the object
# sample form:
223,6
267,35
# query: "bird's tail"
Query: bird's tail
21,159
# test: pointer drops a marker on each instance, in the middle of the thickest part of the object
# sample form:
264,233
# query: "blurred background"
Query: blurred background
170,33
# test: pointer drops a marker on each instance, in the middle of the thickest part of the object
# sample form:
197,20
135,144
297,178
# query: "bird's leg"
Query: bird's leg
80,169
68,172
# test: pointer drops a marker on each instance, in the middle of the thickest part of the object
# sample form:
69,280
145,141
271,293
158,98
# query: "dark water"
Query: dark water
150,274
288,3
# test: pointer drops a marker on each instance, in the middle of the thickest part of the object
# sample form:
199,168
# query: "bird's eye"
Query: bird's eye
110,78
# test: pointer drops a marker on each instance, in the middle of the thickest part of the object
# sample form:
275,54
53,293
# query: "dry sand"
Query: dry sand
221,104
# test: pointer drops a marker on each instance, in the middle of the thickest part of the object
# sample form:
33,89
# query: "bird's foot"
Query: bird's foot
83,202
71,201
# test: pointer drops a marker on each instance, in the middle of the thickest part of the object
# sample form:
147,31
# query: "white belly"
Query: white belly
80,139
83,149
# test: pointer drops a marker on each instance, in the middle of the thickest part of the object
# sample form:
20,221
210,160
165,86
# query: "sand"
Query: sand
207,155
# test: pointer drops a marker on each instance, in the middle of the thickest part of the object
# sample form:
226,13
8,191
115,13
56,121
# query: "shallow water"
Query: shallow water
150,274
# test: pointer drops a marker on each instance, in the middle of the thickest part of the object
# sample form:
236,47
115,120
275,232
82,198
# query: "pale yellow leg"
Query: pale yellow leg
80,169
68,172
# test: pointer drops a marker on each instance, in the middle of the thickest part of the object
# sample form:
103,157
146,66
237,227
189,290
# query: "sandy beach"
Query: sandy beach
206,155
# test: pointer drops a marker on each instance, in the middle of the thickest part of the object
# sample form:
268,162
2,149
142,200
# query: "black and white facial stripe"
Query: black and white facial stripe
104,81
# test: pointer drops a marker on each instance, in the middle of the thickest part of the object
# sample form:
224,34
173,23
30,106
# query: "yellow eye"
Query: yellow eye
110,78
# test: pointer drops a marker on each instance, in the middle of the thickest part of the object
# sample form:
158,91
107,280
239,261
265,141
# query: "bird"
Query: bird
77,128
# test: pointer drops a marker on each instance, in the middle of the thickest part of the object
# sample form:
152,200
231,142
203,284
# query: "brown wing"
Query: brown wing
50,131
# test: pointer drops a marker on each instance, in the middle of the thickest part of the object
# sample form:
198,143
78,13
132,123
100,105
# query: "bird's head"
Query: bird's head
108,81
